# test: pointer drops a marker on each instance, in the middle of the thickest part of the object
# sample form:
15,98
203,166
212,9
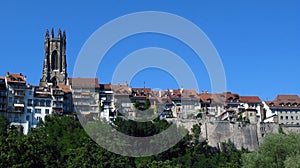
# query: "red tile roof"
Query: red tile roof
121,89
285,101
105,86
16,78
176,94
64,88
140,91
227,97
160,93
250,99
84,82
205,97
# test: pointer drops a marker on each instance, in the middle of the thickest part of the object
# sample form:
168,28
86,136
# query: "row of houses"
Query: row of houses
26,105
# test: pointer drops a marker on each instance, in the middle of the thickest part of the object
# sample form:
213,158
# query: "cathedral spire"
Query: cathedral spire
55,66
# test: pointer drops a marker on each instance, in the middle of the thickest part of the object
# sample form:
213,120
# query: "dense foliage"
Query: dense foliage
62,142
277,150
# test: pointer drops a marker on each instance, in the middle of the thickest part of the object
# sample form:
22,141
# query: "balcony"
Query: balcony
57,106
81,97
18,105
81,90
58,93
18,110
58,99
107,107
82,104
106,92
19,87
19,94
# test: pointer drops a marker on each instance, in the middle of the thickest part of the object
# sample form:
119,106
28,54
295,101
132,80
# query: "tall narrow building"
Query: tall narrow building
55,65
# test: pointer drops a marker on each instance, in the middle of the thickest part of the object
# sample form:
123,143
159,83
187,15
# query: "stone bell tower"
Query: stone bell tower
55,65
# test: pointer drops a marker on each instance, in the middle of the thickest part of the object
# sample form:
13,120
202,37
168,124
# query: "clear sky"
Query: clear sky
258,41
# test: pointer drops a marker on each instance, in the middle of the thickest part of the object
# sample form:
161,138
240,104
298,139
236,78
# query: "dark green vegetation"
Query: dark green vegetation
62,142
277,150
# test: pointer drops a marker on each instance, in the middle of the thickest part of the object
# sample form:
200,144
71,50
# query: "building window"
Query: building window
29,102
29,110
27,117
38,111
47,111
36,102
38,118
292,117
286,117
281,117
42,103
48,103
10,99
297,117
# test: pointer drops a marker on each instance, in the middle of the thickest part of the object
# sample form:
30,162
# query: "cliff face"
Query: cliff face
240,136
247,136
216,132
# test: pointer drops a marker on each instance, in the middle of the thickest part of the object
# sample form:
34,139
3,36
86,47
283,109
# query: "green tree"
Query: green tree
293,161
275,151
4,124
147,104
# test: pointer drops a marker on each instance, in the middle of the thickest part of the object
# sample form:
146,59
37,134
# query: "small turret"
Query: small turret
52,33
47,34
64,35
59,33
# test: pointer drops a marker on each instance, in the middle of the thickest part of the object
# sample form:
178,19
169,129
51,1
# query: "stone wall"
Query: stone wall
216,132
241,135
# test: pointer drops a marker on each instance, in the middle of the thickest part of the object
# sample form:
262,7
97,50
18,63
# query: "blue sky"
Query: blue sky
258,41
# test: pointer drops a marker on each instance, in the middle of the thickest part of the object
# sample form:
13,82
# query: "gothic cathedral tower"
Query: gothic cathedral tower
55,65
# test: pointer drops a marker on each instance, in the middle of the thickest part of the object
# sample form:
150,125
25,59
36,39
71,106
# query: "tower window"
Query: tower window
54,60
